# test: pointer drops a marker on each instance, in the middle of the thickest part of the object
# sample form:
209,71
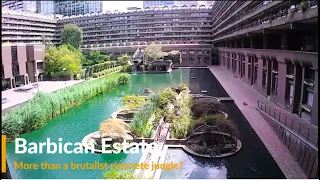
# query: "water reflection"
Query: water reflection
194,167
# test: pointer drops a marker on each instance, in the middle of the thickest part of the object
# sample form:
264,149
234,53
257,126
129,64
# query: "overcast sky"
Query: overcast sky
122,5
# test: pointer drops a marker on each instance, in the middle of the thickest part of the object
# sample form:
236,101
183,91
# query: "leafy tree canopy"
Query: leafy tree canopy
95,57
71,34
154,52
57,59
123,60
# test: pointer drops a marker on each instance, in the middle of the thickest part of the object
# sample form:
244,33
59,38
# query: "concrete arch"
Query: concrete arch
174,7
138,10
165,8
184,7
193,7
143,43
156,8
116,12
150,42
135,43
157,42
147,9
202,7
100,45
121,44
108,12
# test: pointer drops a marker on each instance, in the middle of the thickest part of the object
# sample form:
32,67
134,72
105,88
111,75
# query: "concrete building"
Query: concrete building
74,8
153,4
186,25
46,7
185,3
21,64
160,4
28,6
273,47
25,27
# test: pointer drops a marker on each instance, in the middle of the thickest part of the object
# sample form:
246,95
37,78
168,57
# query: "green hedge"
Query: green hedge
44,106
101,66
107,71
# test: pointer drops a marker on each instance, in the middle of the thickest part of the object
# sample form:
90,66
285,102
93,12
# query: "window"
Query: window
14,54
291,89
274,85
249,68
309,99
255,69
243,67
290,69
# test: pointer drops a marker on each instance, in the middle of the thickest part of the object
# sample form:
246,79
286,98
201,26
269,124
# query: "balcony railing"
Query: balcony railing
301,140
289,11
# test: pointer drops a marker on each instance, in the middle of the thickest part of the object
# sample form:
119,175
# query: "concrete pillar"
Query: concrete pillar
316,41
314,112
251,42
265,42
235,44
11,84
242,43
284,41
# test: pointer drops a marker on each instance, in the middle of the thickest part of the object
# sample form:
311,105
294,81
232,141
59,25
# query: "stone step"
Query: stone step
226,99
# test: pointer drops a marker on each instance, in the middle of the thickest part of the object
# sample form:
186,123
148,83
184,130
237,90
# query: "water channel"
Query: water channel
253,161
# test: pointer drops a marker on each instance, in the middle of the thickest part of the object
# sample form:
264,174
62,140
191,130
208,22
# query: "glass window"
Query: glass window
291,89
310,99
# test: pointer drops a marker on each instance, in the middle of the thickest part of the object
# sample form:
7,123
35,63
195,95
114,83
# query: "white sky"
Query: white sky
123,5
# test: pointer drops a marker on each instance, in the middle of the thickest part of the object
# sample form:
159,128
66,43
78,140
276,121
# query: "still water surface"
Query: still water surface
73,125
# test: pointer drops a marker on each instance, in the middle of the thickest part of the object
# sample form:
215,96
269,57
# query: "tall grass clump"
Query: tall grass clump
114,174
181,123
140,125
44,106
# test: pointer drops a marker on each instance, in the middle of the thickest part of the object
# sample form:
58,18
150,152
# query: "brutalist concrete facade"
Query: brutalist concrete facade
21,64
273,47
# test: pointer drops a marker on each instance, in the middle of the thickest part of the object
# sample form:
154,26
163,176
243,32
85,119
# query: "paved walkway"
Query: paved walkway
241,92
16,98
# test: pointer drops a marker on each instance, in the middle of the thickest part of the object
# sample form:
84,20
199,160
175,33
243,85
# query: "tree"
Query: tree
71,34
58,58
95,57
174,56
154,52
123,60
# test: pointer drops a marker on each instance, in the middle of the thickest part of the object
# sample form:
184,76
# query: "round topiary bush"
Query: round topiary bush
205,106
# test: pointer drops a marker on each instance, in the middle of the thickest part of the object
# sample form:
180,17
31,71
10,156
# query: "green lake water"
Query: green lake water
73,125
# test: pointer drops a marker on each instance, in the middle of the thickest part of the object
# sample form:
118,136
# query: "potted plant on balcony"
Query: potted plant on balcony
303,6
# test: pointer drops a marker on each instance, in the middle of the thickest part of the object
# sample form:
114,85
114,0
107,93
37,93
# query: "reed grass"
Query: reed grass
44,106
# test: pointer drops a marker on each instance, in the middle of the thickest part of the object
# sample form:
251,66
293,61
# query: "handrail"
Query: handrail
291,126
304,151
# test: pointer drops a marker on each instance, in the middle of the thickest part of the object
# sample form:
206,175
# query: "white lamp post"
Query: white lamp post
65,76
